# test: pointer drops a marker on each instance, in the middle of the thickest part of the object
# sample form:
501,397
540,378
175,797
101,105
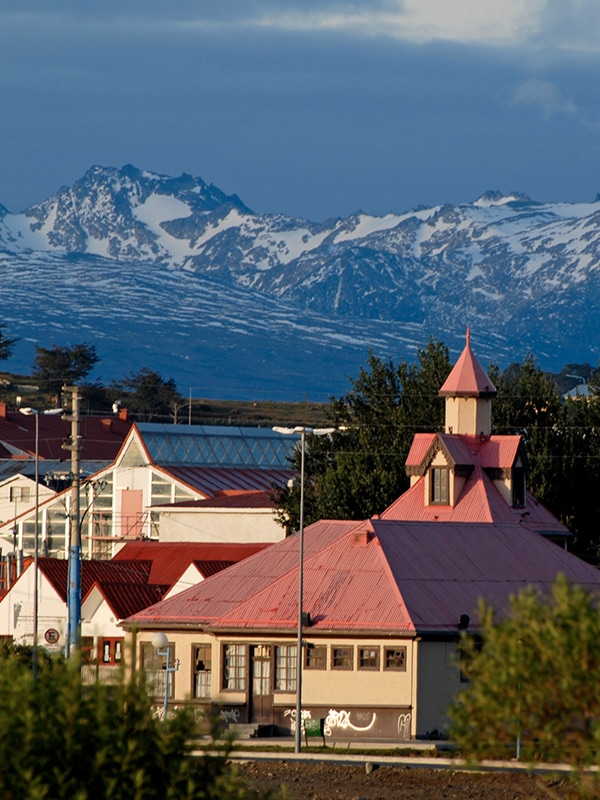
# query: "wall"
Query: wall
198,525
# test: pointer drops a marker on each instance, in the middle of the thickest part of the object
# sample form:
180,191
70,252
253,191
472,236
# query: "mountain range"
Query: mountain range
175,275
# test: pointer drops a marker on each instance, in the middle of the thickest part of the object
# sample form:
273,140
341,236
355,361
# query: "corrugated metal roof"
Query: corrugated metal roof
101,438
126,598
419,448
56,570
381,575
169,560
228,499
211,481
217,446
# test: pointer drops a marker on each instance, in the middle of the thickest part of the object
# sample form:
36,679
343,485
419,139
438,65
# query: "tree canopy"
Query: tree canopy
359,470
6,343
534,682
60,366
147,394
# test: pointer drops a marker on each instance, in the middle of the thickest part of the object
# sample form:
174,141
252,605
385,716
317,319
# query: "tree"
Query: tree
65,740
535,680
63,366
359,471
149,395
6,344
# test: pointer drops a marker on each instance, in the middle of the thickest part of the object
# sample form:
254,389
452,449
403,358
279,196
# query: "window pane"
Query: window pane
285,668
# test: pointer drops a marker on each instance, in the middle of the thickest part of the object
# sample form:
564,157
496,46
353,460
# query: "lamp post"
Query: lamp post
160,643
36,537
302,430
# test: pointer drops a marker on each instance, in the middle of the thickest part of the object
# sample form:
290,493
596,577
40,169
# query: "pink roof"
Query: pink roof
468,378
169,560
381,575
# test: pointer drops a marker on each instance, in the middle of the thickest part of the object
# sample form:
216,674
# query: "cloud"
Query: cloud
419,21
545,97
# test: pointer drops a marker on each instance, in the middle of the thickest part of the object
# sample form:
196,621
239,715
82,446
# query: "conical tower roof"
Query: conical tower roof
468,378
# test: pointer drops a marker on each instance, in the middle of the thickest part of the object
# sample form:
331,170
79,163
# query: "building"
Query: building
385,600
162,465
141,574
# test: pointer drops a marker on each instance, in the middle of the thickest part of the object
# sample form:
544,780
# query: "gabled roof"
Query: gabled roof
125,599
479,501
130,571
380,576
491,452
101,437
468,378
169,560
217,446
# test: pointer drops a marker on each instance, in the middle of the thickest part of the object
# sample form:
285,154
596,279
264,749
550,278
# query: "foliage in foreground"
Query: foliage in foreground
535,680
60,739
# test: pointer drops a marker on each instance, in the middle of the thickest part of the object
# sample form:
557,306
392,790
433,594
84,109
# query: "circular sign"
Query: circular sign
52,636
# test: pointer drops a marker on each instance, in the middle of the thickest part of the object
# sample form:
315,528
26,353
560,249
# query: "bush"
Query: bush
63,740
536,680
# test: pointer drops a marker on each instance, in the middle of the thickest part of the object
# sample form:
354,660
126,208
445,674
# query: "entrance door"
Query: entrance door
131,514
262,684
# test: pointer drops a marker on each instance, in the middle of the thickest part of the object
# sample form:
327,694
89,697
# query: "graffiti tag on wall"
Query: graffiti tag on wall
229,715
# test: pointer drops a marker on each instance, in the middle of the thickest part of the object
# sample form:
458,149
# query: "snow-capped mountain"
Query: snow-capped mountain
130,245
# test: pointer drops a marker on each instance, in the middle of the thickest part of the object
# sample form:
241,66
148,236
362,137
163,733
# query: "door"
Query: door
262,684
131,513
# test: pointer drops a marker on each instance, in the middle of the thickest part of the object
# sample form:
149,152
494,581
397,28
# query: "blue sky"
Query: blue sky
315,109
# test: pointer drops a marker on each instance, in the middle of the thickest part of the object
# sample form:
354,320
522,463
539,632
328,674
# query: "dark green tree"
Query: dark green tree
6,343
147,395
535,679
359,471
61,366
63,739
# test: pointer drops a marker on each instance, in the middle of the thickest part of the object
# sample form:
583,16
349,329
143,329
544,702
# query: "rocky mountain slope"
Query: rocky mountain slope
144,264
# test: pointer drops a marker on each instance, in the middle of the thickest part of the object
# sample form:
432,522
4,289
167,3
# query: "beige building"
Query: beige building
385,601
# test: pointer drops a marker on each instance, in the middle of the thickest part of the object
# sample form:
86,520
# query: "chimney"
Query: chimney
3,410
107,425
123,414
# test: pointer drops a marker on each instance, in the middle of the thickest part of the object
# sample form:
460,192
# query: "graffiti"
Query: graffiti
229,715
404,726
341,719
291,712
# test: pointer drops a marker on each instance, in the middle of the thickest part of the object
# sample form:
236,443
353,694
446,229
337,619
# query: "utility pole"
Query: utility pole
74,588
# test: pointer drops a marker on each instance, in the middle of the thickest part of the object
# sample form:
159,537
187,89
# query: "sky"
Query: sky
310,108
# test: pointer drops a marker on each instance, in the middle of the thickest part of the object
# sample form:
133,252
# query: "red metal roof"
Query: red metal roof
169,560
101,437
212,480
231,499
56,571
379,575
468,378
126,598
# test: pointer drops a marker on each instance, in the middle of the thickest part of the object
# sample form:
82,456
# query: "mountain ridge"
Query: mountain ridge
525,275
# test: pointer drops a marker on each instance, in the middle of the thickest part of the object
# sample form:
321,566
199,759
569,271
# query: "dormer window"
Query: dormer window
518,487
440,484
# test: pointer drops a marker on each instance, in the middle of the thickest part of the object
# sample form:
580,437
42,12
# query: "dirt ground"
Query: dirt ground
315,781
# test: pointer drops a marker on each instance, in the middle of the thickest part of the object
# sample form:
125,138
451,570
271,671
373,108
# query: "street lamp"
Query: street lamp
36,539
302,430
160,643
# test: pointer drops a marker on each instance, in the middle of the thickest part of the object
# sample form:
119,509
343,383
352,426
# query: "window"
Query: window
395,658
439,485
368,658
234,667
154,667
87,649
111,651
518,487
315,657
202,663
342,658
19,493
285,668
